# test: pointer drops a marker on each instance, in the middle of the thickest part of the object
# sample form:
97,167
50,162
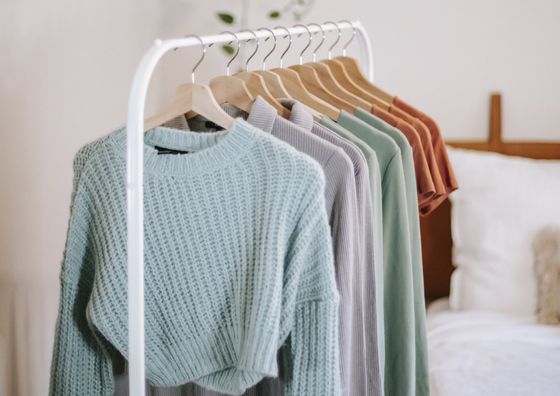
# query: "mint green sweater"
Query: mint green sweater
238,261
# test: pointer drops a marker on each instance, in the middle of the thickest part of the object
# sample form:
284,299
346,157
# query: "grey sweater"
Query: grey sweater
342,209
365,375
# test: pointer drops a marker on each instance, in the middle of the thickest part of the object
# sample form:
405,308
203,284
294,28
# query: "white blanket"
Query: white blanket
483,353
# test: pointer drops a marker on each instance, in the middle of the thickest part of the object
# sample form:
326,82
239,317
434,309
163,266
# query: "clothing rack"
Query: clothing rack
135,167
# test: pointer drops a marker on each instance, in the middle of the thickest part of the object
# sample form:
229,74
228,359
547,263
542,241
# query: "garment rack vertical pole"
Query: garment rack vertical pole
135,173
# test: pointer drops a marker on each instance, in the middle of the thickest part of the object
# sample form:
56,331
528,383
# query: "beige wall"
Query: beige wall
66,66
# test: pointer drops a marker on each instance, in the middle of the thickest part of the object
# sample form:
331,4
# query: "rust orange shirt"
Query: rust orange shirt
426,139
424,183
445,167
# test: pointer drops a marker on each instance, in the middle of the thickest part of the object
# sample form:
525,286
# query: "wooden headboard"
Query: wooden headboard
436,228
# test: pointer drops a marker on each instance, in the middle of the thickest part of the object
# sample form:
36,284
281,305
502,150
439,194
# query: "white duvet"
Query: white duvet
484,353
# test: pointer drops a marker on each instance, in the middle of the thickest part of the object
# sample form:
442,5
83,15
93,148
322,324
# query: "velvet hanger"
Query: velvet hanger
192,97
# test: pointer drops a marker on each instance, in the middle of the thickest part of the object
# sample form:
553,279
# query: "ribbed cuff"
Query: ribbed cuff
315,369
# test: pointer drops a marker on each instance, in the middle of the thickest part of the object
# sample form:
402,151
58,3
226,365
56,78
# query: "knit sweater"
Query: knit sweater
400,360
365,376
238,261
340,201
375,214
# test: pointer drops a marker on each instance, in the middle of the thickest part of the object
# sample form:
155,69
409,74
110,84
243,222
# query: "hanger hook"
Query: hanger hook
338,36
351,38
323,35
288,35
310,35
236,39
202,56
273,48
256,48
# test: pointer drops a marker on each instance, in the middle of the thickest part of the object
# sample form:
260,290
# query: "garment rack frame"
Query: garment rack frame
135,168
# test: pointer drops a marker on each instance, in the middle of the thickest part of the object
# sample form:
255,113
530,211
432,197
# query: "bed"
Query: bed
485,353
478,351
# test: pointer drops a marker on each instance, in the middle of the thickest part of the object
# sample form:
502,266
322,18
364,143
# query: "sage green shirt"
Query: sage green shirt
398,300
422,381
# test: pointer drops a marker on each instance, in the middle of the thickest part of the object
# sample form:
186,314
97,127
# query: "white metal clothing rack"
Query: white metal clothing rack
135,169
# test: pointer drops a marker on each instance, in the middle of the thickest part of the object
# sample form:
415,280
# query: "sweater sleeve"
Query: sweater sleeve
79,366
312,364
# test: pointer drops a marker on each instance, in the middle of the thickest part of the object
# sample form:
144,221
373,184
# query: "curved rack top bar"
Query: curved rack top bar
135,175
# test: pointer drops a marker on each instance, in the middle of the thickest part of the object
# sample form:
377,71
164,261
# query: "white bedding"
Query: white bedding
487,353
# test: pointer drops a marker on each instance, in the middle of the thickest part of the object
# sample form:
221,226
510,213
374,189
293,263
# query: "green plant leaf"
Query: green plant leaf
274,14
226,18
228,49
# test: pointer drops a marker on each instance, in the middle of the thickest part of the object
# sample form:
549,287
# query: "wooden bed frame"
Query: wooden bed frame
436,228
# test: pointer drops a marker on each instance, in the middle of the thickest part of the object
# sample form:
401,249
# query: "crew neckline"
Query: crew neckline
207,150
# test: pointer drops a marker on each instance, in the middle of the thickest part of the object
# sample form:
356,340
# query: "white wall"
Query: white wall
66,66
447,56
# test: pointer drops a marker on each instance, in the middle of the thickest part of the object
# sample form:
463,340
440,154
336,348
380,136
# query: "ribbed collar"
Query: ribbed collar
207,150
262,115
299,113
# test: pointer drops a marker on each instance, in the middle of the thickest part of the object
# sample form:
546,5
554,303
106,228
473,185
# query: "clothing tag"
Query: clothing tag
163,150
211,125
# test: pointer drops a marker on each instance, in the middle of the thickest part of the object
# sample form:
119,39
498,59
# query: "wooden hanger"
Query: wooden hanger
273,83
332,84
257,86
322,75
353,70
340,75
311,79
313,83
232,90
328,79
347,70
271,80
229,89
297,90
192,97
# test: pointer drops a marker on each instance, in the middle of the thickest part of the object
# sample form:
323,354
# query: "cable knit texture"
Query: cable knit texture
238,261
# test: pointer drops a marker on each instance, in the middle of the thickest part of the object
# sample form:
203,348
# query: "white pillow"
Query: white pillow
501,203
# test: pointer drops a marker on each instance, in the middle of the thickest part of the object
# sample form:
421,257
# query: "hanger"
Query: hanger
327,78
272,81
297,89
349,70
311,79
192,97
256,84
229,89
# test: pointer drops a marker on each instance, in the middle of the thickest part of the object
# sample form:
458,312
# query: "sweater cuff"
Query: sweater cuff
314,368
